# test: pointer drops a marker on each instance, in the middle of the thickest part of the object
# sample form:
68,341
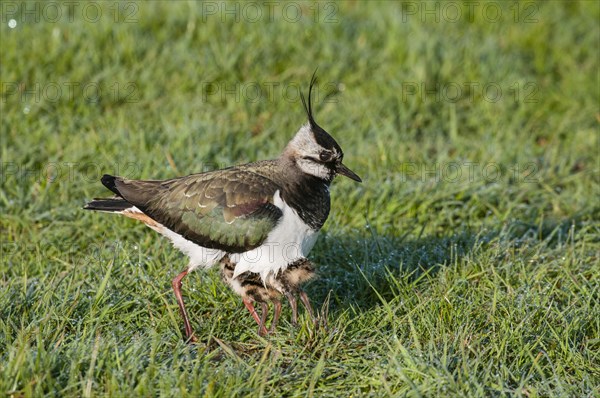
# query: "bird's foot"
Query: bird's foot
191,340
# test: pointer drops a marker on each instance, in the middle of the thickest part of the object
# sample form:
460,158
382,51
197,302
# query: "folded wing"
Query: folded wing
230,210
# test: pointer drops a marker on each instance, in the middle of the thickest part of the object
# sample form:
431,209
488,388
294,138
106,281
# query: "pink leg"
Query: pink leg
294,304
189,335
306,302
248,303
262,330
277,309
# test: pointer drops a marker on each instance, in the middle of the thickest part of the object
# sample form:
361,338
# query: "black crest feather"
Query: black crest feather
321,136
308,105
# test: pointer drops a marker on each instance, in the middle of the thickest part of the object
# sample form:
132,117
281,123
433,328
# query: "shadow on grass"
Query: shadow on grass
361,271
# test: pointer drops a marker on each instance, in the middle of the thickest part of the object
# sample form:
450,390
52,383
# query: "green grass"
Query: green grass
434,283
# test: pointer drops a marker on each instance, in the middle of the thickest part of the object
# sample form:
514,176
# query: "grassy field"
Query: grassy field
466,265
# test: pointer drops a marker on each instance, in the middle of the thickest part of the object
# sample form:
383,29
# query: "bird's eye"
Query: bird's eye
324,156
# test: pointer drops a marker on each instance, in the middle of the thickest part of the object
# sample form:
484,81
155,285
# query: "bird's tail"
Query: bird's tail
115,204
112,205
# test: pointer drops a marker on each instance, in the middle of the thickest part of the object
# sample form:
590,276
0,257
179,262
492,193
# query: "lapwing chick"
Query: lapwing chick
258,220
251,287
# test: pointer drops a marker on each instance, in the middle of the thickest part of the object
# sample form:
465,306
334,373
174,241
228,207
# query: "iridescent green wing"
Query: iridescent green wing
229,209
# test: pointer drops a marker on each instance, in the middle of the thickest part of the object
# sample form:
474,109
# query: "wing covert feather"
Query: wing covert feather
230,210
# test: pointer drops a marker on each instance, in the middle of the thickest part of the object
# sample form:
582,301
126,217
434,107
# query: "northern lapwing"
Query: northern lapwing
258,220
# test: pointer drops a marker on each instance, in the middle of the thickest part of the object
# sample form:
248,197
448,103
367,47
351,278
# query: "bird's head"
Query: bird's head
314,151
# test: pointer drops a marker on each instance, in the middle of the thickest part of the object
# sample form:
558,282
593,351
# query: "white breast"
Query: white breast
290,240
199,256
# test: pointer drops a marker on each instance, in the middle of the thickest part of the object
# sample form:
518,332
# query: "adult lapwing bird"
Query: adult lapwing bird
258,221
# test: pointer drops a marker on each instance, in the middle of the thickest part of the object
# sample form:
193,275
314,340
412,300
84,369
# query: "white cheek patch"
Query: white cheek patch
305,147
314,168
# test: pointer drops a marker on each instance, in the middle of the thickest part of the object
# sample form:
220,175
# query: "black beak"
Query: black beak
343,170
